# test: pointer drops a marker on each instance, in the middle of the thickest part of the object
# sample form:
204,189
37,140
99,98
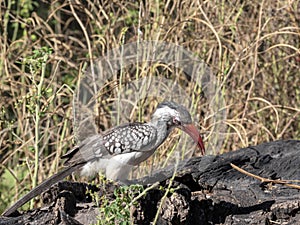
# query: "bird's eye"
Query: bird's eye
176,121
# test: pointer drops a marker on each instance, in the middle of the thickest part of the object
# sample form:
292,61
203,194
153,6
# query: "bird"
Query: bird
117,150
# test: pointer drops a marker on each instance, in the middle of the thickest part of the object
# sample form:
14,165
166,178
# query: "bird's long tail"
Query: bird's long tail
41,188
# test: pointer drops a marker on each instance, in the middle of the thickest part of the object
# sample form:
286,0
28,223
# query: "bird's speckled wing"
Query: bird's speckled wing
126,138
130,137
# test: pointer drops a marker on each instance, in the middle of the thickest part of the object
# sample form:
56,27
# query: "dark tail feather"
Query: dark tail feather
41,188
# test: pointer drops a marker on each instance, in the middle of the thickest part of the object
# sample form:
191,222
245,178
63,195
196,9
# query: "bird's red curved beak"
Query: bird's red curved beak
191,130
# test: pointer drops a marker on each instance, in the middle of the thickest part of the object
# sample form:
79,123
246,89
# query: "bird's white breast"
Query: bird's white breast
117,167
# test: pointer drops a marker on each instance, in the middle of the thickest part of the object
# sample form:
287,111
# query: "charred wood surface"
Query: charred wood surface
207,191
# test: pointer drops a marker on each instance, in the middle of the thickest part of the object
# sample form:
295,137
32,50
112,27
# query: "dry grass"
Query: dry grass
253,47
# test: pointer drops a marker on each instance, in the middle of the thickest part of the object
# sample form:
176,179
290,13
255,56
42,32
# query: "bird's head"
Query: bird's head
175,115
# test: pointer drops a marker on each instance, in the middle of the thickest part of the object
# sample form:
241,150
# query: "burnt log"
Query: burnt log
206,190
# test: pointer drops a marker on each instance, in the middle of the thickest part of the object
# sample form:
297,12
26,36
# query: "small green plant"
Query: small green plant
117,210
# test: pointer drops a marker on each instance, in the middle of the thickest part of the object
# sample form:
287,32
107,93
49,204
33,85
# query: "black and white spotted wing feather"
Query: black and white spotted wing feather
129,138
134,137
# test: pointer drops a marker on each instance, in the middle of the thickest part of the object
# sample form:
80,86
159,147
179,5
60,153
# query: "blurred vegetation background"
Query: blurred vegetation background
253,46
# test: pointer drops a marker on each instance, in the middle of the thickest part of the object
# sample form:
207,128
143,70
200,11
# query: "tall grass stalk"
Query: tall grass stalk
37,123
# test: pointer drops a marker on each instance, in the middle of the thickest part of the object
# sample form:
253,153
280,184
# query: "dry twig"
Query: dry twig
265,180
